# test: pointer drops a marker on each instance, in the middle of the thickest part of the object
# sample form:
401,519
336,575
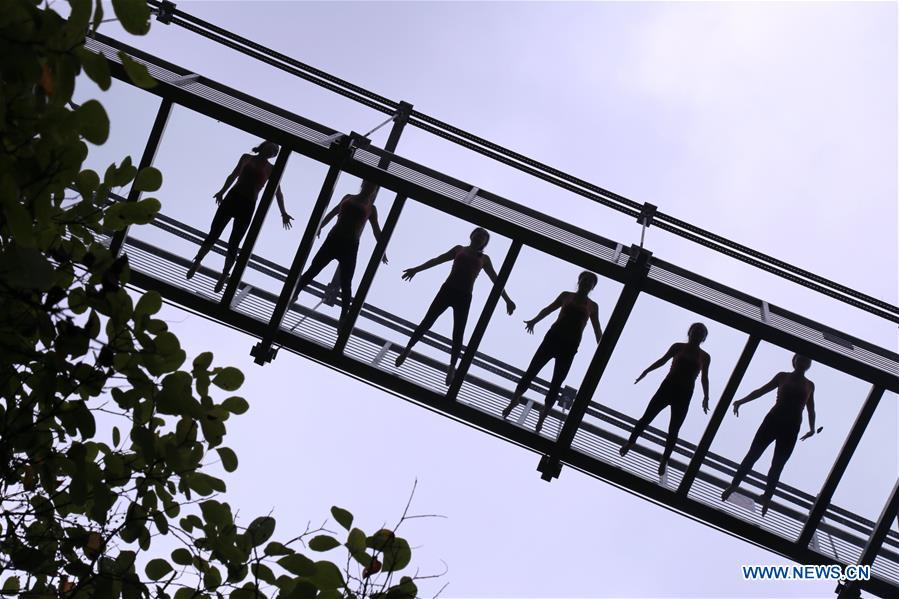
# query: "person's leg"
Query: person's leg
438,307
564,359
783,449
659,402
238,230
461,307
219,221
541,357
679,409
326,253
347,266
763,438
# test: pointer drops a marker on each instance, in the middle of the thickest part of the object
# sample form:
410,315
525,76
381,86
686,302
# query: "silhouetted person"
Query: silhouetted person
676,390
248,178
342,242
780,426
561,340
455,293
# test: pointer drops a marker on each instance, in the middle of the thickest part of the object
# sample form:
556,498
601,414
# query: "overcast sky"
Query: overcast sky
771,124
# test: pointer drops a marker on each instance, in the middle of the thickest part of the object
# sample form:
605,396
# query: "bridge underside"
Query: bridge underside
805,527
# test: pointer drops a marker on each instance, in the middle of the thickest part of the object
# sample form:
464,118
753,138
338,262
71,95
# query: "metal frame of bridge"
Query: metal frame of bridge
803,527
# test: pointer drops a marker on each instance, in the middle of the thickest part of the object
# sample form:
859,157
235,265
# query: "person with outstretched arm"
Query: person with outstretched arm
781,425
455,293
561,341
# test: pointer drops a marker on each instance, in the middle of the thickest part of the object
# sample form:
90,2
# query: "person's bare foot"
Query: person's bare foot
625,448
450,375
662,467
508,409
192,270
540,422
766,502
727,492
221,282
401,358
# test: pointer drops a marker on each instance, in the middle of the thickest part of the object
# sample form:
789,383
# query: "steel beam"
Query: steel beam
146,160
637,270
486,314
721,408
840,464
849,590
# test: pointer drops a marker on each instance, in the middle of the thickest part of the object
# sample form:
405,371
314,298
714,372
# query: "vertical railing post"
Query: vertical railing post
875,541
486,314
262,351
400,118
637,268
718,415
346,324
249,241
840,465
146,159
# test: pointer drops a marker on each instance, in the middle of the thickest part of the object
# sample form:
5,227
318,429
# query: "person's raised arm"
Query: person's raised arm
658,363
767,388
231,178
594,320
376,230
555,305
444,257
810,406
707,359
330,215
488,267
285,218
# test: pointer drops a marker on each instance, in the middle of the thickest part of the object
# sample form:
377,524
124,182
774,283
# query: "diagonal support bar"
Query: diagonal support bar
146,159
839,466
249,241
347,324
637,269
262,351
875,541
483,320
721,408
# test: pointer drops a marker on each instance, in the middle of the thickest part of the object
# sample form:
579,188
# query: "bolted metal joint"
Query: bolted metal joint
647,212
549,468
263,352
403,112
165,12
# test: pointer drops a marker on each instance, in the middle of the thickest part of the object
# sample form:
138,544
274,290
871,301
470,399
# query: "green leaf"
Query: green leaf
229,458
157,568
182,556
356,541
133,15
397,555
137,72
276,548
116,436
327,576
96,67
343,517
93,122
236,405
260,530
297,564
406,589
149,303
26,268
228,378
148,179
11,585
203,361
323,543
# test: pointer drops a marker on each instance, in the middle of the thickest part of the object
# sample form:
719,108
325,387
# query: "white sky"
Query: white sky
772,124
